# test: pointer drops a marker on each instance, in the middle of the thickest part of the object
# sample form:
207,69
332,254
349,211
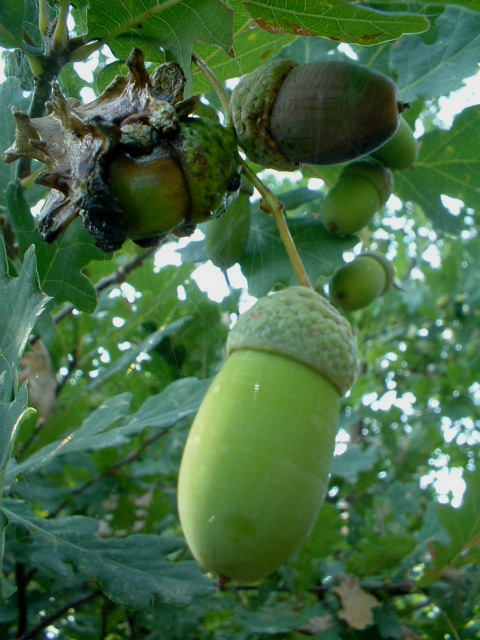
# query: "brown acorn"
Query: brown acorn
320,113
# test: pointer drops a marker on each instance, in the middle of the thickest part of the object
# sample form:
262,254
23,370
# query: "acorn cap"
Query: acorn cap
207,153
386,264
301,324
375,172
250,109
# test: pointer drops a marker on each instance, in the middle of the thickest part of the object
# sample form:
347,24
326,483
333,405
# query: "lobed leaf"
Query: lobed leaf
130,571
342,21
251,45
432,70
157,29
179,401
448,163
122,363
21,302
60,264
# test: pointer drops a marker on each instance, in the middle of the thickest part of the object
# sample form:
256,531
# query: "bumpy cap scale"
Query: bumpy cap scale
299,323
251,105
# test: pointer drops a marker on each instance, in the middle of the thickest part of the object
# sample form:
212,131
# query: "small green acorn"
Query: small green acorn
362,188
255,466
226,237
360,282
401,151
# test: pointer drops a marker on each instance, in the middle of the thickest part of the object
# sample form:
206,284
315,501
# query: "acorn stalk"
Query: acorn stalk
255,467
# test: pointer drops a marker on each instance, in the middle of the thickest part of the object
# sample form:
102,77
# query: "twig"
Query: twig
218,87
35,631
271,205
120,275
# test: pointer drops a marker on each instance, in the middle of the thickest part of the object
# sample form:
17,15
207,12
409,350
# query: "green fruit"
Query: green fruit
320,113
401,151
256,463
226,237
181,182
132,163
360,282
362,188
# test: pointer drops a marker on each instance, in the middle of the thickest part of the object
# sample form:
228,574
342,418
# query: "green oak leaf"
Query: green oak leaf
433,70
158,29
130,570
341,21
448,163
264,260
21,302
60,264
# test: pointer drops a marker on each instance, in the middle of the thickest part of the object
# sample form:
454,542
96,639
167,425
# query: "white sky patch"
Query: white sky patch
452,204
87,94
118,322
315,184
432,256
467,96
86,69
448,484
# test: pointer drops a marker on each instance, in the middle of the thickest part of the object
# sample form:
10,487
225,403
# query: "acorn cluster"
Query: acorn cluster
134,164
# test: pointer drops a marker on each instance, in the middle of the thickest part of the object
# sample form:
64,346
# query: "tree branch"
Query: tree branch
120,275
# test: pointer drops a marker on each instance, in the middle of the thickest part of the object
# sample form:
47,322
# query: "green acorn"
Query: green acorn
401,151
255,467
360,282
132,163
362,188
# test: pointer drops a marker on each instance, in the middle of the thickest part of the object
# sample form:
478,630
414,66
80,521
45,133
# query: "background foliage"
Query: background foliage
105,359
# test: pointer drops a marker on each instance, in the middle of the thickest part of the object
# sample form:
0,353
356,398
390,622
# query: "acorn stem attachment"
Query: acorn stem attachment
217,86
271,205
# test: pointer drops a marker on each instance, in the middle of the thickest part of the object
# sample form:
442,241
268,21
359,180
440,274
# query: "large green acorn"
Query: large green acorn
320,113
361,281
362,188
133,163
255,467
